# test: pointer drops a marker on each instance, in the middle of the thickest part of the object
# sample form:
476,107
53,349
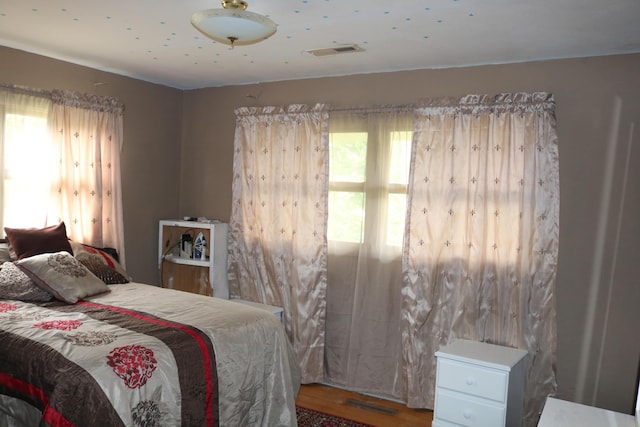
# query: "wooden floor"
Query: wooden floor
361,408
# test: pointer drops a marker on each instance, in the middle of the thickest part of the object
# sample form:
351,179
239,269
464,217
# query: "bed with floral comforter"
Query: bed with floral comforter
139,355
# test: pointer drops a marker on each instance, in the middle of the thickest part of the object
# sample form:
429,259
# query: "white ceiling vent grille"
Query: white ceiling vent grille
335,50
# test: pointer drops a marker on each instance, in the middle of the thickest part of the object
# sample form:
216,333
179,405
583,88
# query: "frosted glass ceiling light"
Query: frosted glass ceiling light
233,25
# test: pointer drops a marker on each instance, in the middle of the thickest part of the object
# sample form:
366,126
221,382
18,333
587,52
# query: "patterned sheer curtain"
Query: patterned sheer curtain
277,242
370,153
86,190
481,243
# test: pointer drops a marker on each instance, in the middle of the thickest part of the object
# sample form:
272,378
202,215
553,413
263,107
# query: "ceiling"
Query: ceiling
154,40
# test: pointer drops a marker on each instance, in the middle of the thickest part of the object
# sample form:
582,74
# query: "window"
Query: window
369,172
55,149
347,175
26,165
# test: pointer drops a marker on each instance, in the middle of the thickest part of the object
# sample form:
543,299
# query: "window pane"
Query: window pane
346,215
395,218
400,157
27,168
348,156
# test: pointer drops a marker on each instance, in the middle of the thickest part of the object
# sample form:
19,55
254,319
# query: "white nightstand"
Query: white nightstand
277,311
479,384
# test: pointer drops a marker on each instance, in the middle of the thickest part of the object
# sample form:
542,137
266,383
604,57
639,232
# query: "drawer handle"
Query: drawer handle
467,414
470,381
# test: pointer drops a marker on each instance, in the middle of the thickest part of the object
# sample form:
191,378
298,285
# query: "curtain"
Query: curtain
481,243
365,277
277,242
86,190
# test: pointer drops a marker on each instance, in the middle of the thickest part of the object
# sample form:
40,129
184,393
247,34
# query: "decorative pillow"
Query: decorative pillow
62,275
5,252
15,284
27,242
96,265
80,250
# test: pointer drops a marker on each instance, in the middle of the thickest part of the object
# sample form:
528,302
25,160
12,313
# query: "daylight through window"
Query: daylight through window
26,164
368,180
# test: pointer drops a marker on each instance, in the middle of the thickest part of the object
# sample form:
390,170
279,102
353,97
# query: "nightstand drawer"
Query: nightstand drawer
461,410
472,379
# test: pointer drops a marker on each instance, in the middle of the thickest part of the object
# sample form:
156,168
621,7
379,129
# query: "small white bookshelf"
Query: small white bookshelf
206,276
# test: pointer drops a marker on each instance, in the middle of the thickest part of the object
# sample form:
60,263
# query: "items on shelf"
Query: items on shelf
200,247
192,256
186,246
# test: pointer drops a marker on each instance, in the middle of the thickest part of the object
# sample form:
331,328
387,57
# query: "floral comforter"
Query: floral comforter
144,356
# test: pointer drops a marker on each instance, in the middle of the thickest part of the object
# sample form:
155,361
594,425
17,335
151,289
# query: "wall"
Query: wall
150,159
598,115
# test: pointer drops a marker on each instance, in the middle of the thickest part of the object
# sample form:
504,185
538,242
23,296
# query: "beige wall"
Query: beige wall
599,257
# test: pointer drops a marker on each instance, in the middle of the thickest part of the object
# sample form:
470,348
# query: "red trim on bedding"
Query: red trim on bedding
49,414
24,388
203,347
54,418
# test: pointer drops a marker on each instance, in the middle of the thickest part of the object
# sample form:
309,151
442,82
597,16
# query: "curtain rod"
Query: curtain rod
372,109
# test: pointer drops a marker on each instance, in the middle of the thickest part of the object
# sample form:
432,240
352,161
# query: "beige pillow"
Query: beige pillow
62,275
15,284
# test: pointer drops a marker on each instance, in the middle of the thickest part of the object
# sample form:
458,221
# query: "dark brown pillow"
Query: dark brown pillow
27,242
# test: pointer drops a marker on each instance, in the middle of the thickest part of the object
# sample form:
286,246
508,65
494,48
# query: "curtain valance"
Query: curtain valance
87,101
475,104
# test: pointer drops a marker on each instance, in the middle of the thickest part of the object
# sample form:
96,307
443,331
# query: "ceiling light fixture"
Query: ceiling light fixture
233,25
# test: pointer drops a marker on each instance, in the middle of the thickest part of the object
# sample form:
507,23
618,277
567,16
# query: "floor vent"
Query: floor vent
371,407
335,50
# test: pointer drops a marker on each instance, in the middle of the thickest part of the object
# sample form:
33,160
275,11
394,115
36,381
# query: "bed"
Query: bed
135,354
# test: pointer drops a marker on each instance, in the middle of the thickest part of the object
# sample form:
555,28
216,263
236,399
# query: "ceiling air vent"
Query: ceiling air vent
335,50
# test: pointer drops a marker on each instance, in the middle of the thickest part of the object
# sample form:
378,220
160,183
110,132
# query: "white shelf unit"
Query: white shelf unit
478,385
206,277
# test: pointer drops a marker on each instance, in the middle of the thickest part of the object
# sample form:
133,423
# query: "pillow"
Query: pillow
97,266
27,242
15,284
5,252
62,275
79,250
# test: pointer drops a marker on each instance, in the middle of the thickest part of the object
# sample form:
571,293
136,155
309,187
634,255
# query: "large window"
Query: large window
26,165
368,177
